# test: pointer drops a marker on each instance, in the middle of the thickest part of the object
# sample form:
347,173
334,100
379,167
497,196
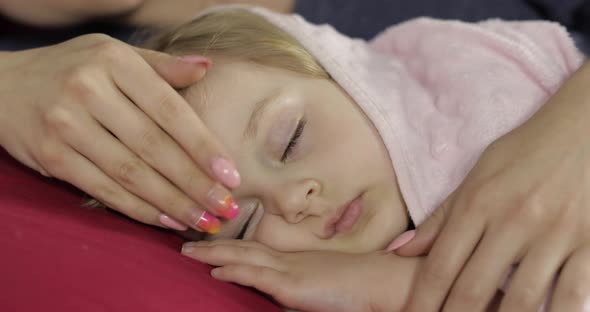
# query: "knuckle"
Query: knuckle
473,198
59,120
150,140
441,214
436,275
110,51
248,253
529,211
201,146
220,251
108,196
167,109
139,212
285,294
51,158
575,294
80,83
525,299
96,37
130,171
577,289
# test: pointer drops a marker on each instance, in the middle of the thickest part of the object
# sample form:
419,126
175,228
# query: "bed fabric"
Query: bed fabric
59,256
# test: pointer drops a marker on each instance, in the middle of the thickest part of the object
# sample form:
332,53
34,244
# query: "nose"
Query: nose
294,201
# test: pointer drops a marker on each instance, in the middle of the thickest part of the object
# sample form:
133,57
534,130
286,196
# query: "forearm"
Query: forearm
60,13
161,13
393,282
567,111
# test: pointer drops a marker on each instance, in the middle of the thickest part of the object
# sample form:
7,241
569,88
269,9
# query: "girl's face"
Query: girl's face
315,173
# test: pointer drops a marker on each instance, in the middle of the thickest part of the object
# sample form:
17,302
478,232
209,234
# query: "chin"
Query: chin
364,243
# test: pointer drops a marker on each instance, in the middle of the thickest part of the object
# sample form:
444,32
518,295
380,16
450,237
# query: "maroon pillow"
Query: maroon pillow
58,256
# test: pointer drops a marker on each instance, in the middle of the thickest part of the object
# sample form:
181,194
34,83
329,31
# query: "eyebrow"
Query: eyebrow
259,109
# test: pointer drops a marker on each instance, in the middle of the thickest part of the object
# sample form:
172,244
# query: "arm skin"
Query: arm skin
59,13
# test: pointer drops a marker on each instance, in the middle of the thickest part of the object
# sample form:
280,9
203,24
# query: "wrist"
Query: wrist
9,63
393,289
569,108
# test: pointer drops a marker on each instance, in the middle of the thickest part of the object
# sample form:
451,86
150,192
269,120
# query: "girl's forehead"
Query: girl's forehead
228,82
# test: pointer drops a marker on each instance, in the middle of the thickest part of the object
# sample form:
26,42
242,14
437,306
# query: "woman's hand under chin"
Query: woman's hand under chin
312,281
526,201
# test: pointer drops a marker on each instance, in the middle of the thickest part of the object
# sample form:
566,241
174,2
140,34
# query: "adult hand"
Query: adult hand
135,12
312,281
526,201
65,12
101,115
172,12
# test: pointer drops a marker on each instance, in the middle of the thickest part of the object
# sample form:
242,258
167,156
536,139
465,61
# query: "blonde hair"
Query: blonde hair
239,34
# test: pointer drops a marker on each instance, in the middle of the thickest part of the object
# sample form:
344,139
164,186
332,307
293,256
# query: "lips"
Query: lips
344,219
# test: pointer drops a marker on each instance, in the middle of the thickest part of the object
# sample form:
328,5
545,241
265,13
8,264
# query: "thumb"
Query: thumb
178,71
418,242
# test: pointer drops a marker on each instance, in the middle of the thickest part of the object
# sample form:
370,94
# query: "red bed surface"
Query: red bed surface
58,256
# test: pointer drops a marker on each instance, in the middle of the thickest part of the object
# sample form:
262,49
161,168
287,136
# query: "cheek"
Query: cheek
339,145
273,232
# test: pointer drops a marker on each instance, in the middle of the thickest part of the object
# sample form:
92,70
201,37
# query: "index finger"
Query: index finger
175,116
444,262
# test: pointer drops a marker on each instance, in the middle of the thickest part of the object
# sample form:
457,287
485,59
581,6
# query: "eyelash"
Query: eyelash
294,139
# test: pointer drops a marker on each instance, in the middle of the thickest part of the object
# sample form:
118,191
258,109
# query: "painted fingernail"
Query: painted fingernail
187,249
171,223
198,60
208,223
226,172
401,240
222,202
215,273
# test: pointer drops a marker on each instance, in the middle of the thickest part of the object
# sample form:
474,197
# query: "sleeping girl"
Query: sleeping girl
344,144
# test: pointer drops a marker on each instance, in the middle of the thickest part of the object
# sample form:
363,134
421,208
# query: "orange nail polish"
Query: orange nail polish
223,203
208,223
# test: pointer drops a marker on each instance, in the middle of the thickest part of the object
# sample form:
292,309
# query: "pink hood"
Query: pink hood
439,92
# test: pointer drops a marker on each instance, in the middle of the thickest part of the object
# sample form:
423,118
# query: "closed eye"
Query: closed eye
294,139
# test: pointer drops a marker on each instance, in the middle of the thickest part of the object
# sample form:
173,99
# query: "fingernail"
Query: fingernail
226,172
187,250
198,60
171,223
401,240
189,247
222,202
207,222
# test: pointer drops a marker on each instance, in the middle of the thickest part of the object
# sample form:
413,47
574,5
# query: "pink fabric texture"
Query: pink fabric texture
59,256
439,92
